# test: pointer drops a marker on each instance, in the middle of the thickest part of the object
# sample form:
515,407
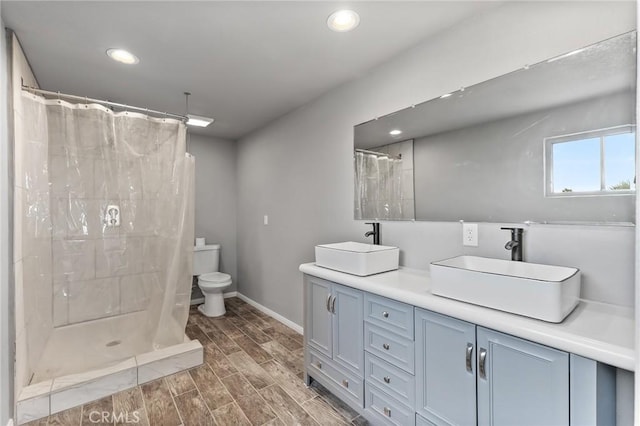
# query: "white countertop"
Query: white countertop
593,330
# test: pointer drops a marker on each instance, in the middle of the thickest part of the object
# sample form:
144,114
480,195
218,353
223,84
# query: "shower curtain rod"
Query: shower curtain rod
382,154
108,103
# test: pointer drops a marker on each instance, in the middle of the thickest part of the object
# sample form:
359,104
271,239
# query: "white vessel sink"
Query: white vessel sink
544,292
357,258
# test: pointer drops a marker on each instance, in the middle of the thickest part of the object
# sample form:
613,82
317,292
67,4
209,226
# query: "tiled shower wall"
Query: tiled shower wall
102,271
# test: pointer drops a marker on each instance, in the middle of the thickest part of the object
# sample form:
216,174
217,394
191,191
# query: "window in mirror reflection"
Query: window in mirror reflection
591,163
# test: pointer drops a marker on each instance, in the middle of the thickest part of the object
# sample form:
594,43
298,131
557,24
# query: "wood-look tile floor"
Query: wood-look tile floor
252,375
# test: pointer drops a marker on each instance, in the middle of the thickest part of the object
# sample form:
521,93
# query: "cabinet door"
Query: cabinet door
520,382
317,328
445,369
348,320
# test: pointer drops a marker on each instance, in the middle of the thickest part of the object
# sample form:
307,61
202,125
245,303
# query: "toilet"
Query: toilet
212,283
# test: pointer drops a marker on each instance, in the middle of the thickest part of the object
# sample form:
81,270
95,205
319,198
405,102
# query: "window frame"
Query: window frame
548,143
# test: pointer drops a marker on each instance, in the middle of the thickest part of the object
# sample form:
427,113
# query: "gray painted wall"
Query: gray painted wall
493,172
299,169
215,197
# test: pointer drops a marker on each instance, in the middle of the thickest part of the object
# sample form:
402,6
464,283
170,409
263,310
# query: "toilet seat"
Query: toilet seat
214,279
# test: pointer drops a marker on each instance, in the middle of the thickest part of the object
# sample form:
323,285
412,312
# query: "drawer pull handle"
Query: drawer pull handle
385,346
345,383
385,314
387,411
482,363
333,305
328,301
468,357
387,379
319,365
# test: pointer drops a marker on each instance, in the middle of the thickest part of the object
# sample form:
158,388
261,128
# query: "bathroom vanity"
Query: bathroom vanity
396,353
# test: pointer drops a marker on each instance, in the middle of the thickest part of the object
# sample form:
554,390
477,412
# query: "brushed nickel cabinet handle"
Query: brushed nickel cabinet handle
385,346
387,411
385,314
345,383
468,357
387,379
328,301
319,365
333,305
482,363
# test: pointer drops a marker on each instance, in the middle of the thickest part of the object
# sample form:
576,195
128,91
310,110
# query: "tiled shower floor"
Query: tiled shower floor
252,375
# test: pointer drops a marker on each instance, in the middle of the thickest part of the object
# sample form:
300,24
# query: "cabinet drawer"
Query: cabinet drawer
394,381
347,382
381,407
389,314
394,349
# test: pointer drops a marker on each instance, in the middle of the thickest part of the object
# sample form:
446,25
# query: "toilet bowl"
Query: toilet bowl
213,285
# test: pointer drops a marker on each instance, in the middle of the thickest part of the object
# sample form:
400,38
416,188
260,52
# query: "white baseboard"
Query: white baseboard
271,313
200,300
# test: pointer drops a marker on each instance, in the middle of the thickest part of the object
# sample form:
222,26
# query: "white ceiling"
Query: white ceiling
246,63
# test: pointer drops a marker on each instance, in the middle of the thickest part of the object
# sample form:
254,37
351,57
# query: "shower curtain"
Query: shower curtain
107,201
378,186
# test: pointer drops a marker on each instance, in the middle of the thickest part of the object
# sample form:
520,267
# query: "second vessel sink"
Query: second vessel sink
357,258
544,292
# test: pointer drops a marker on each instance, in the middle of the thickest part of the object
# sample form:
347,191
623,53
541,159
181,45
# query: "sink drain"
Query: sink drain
113,343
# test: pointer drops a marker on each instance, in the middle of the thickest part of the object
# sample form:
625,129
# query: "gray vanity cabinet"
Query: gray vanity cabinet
318,317
504,379
397,364
520,382
347,328
334,352
389,385
445,369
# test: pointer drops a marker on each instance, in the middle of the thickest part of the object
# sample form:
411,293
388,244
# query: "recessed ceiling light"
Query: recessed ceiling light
123,56
343,20
395,132
198,121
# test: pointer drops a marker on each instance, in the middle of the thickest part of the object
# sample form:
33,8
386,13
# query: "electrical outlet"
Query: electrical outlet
470,234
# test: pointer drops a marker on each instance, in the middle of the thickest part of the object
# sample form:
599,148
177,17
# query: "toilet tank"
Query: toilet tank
205,259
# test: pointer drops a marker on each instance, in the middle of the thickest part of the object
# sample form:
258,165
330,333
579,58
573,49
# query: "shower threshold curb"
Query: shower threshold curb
55,395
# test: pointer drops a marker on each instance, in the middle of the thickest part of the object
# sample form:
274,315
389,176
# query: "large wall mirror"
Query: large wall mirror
552,142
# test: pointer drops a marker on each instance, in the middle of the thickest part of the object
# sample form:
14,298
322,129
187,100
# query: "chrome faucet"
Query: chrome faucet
515,244
375,232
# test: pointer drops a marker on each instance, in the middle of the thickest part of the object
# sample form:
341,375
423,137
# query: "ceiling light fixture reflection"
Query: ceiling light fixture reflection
446,95
395,132
198,121
566,55
343,20
122,56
